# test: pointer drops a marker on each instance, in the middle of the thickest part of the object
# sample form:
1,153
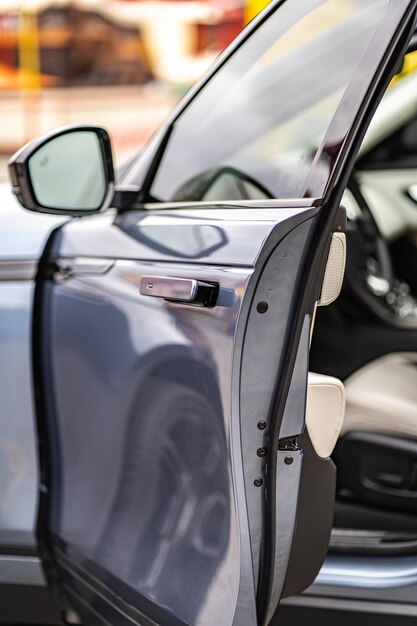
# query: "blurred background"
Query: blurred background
122,64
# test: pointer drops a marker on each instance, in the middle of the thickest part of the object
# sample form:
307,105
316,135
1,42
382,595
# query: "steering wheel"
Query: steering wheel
378,271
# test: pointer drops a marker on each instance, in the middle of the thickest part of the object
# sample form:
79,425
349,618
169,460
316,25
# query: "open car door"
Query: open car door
171,334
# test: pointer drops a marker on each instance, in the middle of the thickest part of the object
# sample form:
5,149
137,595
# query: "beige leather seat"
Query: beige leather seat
382,396
324,412
325,394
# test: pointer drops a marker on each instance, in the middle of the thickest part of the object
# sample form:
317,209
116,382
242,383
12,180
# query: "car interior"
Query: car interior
367,338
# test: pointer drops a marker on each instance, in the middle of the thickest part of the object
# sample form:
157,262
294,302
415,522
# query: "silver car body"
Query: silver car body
22,239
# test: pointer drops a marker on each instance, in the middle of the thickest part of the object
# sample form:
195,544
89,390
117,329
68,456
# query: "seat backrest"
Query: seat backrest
325,412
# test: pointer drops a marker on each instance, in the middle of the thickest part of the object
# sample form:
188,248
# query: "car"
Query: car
183,480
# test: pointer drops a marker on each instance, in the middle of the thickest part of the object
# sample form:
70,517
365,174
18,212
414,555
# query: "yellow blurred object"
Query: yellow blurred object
409,66
253,7
12,79
28,42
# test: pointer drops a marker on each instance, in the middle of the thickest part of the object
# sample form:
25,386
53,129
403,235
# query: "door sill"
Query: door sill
357,541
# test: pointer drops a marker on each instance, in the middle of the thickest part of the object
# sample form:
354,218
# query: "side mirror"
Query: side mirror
70,171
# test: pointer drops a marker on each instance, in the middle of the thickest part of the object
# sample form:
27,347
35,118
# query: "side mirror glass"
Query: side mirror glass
69,171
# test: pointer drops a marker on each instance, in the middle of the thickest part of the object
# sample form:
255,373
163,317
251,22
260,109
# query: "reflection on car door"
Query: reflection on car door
171,339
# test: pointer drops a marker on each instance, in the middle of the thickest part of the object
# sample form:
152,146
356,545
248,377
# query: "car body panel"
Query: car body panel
21,243
184,346
18,454
22,239
22,235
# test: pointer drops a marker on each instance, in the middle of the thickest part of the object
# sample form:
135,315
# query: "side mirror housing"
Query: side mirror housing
69,171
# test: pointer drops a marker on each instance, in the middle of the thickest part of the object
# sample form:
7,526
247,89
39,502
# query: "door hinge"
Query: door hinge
289,444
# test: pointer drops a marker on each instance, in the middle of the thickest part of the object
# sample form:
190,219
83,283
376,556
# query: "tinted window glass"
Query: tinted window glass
254,129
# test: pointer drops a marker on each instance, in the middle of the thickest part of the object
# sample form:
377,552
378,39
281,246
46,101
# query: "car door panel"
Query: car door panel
168,493
258,383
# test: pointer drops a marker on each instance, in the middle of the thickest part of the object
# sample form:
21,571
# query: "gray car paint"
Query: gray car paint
18,463
110,514
22,238
22,234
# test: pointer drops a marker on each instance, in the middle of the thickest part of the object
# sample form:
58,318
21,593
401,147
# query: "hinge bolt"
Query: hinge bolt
262,307
262,425
258,482
261,452
288,460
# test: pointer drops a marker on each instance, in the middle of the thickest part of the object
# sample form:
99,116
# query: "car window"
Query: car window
254,129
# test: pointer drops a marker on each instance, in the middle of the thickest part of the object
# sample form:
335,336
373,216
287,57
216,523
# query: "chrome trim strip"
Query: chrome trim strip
18,270
363,572
345,605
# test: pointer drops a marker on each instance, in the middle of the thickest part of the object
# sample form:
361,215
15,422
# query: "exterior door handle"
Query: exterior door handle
181,290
